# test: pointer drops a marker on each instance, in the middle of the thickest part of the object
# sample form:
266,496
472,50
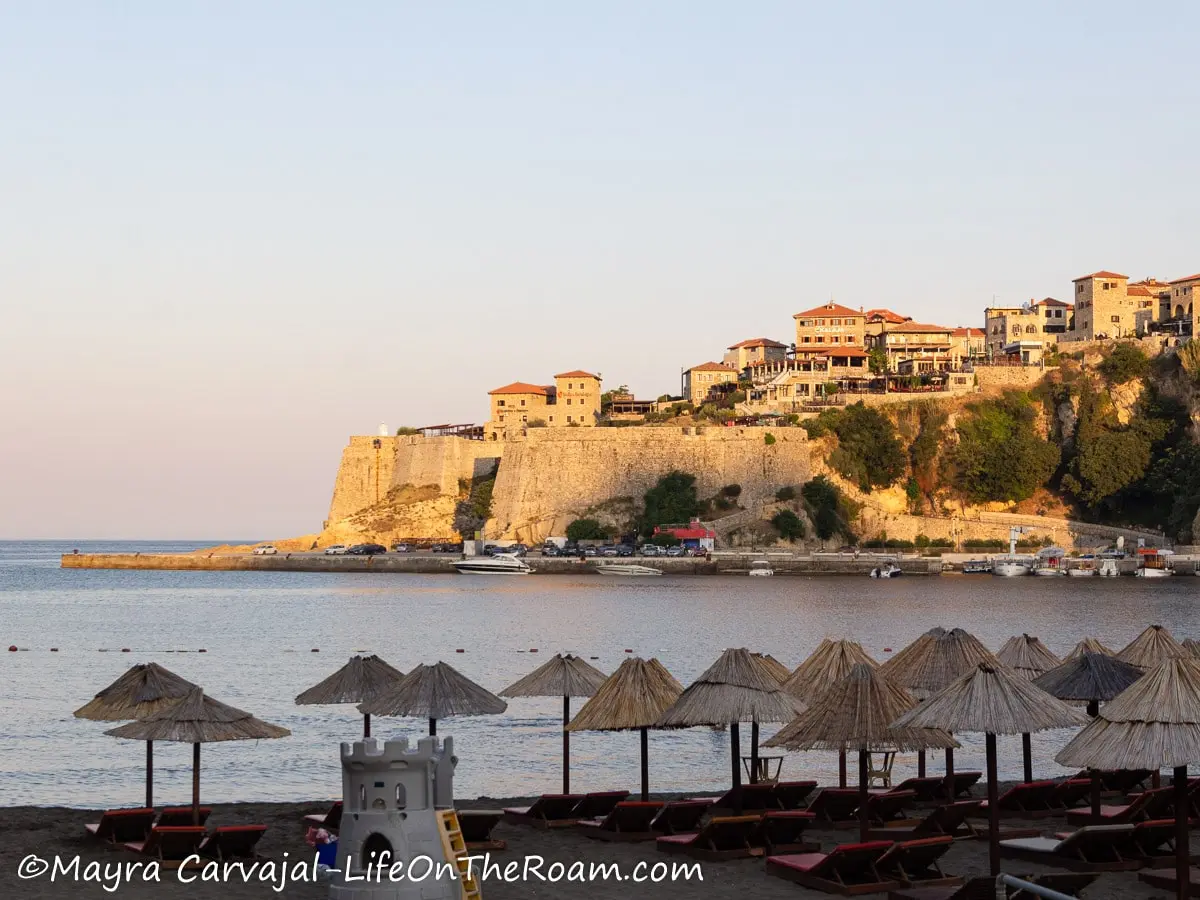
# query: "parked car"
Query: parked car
608,551
336,550
624,550
550,550
367,550
265,550
699,551
590,551
651,550
401,548
676,551
570,548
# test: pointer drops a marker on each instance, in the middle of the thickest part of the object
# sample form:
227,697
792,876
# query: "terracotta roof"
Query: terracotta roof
521,387
1195,277
1137,290
888,316
1149,282
849,352
712,367
1050,301
757,342
968,332
918,328
830,309
577,373
1100,274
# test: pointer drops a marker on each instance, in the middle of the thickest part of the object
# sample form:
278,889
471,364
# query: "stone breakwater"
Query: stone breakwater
443,565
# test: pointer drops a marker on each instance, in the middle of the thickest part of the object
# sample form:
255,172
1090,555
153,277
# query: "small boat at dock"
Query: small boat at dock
760,568
496,564
1155,563
630,570
977,567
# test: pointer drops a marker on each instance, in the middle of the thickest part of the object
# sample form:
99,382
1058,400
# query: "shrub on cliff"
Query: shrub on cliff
405,429
785,493
1000,456
869,452
1124,363
587,530
828,509
672,500
789,525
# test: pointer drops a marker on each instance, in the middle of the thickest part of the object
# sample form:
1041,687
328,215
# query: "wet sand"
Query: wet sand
58,831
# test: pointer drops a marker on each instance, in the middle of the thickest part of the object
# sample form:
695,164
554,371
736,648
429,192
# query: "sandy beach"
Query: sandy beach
47,832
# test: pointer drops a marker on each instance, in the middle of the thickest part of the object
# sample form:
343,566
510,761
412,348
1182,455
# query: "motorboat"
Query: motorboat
1050,561
761,568
1156,563
1109,567
496,564
887,570
977,567
627,569
1083,568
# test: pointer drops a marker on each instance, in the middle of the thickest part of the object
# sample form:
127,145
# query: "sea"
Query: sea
267,637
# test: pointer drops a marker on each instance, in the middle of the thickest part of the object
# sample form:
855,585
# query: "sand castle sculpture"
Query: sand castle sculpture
399,809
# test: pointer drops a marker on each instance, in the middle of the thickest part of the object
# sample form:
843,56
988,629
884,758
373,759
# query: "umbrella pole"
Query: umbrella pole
1093,708
993,808
566,745
1095,773
1027,752
950,792
754,753
149,774
841,768
1183,865
736,752
432,727
195,784
645,740
920,763
864,825
366,725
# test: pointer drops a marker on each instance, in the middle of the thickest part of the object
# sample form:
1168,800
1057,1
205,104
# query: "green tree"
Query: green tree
471,514
672,499
869,452
877,360
536,423
407,429
1000,456
732,491
789,525
827,508
665,539
1124,363
587,530
785,493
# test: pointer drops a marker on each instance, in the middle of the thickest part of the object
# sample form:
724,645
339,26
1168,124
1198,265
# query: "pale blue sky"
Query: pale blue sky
233,234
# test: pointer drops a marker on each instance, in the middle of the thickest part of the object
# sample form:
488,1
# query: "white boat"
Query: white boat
1050,562
1012,565
887,570
1155,563
496,564
627,569
761,568
1109,568
1085,569
977,566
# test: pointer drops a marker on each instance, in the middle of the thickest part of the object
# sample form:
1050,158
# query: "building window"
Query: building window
568,420
522,402
499,402
1116,320
568,401
1108,285
1079,288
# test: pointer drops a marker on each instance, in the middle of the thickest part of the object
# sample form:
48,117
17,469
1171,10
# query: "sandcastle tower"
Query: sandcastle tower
398,806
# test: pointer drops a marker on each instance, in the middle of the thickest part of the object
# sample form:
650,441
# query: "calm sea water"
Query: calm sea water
259,631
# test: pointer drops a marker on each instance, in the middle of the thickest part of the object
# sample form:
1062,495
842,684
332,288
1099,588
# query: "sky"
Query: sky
234,234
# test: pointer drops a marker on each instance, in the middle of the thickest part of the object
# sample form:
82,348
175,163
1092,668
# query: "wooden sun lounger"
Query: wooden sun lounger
170,844
680,817
1034,800
1165,880
836,805
1157,802
931,789
723,837
120,826
782,831
1071,793
547,811
985,888
848,869
1093,848
181,816
477,826
1122,781
1154,842
232,842
330,821
949,819
630,821
916,863
963,782
755,798
598,804
887,807
789,795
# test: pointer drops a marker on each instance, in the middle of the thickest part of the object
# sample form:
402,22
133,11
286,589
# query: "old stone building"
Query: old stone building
927,346
830,325
1103,308
744,353
698,381
572,401
1046,322
576,400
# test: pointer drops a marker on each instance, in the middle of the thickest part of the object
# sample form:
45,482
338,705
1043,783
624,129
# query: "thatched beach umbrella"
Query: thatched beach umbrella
563,676
1151,647
196,720
1089,645
830,663
362,678
1192,646
631,698
1029,658
940,663
1152,724
434,692
144,690
857,714
992,700
732,690
778,670
895,666
1090,678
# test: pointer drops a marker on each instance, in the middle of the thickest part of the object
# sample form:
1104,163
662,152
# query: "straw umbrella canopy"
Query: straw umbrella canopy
732,690
434,692
1027,656
829,664
778,670
563,676
362,678
993,700
1154,723
144,690
900,662
1089,645
1192,646
857,713
631,698
1151,647
196,720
